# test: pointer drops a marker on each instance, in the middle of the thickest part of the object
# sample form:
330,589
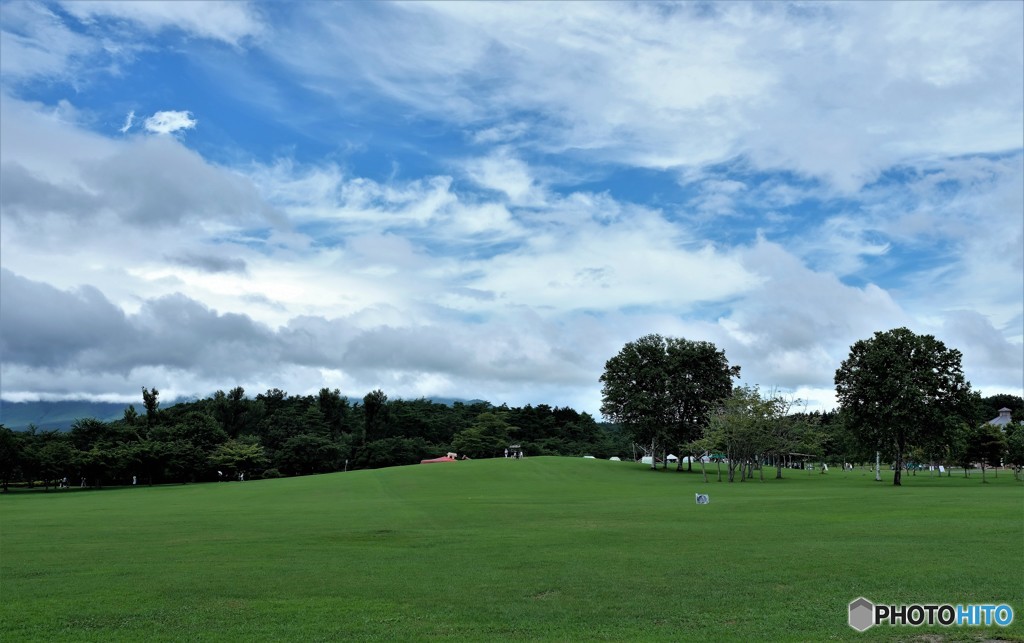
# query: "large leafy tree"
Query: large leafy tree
489,435
662,389
899,390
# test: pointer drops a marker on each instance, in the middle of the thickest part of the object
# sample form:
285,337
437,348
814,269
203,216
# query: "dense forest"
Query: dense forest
276,434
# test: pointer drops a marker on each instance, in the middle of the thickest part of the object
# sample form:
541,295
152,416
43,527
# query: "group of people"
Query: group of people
518,455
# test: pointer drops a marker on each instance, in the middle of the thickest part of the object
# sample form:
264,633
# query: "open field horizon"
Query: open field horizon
541,548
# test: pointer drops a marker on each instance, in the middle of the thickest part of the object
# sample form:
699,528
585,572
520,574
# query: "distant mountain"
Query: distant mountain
450,401
57,415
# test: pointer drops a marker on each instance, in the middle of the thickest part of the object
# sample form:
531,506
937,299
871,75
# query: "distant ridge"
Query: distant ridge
58,415
48,416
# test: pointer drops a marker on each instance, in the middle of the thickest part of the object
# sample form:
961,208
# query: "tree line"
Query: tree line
902,397
275,434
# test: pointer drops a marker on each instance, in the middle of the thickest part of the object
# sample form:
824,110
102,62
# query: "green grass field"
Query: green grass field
543,548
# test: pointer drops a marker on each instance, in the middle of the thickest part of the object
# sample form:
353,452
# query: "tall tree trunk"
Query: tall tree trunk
719,463
898,469
778,469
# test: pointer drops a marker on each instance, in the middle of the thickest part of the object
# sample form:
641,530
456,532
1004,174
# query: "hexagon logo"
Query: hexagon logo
862,614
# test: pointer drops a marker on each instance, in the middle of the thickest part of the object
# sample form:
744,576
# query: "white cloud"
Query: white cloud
129,120
836,91
503,172
168,122
230,22
34,41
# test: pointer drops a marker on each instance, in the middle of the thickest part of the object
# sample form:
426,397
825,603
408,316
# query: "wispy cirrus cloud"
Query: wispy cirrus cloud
230,22
833,91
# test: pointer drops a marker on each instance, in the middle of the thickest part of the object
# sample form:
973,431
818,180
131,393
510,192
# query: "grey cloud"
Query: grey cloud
263,300
43,327
181,332
80,336
157,181
46,327
316,341
210,263
474,293
151,182
428,349
27,195
989,349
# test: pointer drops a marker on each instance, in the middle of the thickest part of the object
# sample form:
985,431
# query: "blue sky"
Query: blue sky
487,200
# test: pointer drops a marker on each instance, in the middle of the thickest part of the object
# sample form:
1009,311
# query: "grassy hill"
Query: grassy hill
542,548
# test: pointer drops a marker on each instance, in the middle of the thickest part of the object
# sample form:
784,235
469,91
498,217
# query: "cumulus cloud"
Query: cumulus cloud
169,122
798,325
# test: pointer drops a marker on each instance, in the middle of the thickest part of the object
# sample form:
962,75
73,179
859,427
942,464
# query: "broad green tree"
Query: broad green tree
898,389
308,453
662,389
244,454
488,436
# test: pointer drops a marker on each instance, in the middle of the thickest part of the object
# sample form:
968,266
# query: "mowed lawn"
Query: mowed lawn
542,548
